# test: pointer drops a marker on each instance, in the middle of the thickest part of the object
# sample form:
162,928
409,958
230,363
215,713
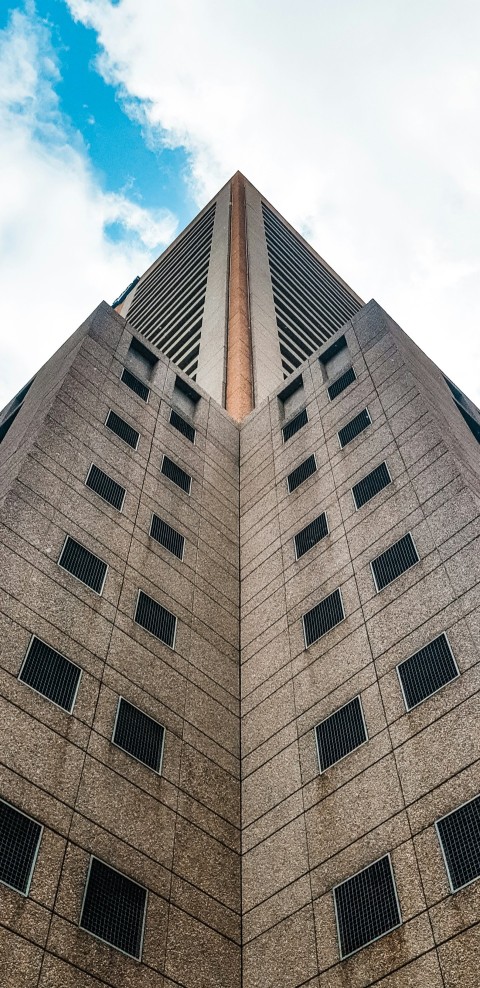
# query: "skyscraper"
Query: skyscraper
239,601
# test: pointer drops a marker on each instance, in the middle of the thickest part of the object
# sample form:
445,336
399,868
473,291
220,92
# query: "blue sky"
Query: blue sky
359,121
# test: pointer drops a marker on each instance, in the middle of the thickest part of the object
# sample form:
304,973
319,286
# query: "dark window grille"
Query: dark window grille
105,487
182,426
371,485
323,617
311,535
167,536
114,908
176,474
459,836
353,428
301,473
394,561
19,842
139,735
122,429
295,425
427,671
340,733
343,382
51,674
155,619
135,384
366,906
83,564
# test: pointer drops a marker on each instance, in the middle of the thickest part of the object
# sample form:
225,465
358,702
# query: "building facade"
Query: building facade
239,600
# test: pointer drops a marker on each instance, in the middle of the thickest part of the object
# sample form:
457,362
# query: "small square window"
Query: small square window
114,908
51,674
19,842
425,672
83,564
340,733
459,836
139,735
156,619
301,473
397,559
366,906
323,617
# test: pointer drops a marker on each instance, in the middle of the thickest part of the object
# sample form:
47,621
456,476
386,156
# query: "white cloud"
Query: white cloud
360,122
56,259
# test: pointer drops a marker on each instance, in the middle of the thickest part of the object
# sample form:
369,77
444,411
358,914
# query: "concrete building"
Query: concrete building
239,597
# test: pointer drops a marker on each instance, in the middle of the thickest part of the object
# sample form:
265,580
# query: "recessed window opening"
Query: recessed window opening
136,346
113,908
292,397
20,838
51,674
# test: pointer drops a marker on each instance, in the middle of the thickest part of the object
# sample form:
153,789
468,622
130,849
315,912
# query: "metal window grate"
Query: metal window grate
83,564
301,473
176,474
51,674
105,487
366,906
427,671
371,485
19,842
138,734
122,429
167,536
311,535
324,616
340,733
182,426
354,428
135,384
459,836
394,561
155,619
343,382
114,908
295,425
